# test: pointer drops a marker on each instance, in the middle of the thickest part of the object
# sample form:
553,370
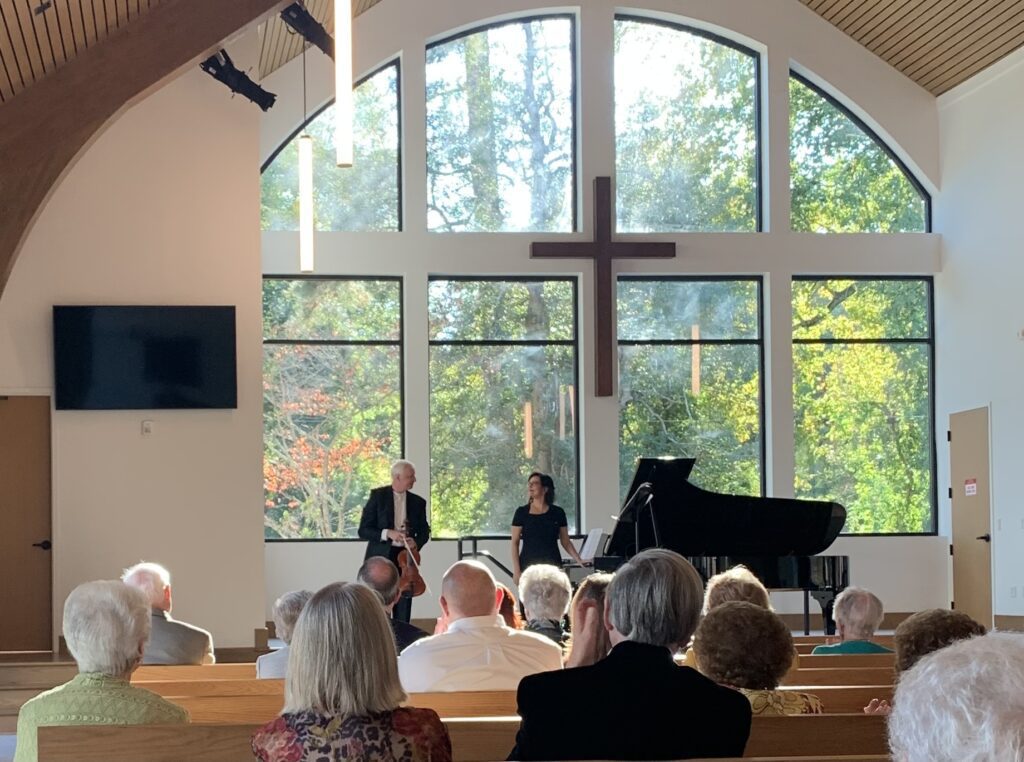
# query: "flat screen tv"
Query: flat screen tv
144,358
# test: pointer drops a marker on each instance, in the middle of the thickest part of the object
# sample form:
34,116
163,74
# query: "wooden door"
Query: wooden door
972,514
25,568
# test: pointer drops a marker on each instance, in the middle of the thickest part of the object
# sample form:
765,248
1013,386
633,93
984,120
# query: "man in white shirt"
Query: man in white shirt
477,652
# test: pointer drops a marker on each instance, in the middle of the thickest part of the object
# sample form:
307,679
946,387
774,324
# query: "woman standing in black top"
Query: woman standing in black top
541,525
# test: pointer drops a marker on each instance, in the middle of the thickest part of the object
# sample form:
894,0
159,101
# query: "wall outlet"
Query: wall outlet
147,428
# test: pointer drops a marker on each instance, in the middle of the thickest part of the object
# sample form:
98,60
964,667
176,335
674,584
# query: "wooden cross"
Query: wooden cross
603,250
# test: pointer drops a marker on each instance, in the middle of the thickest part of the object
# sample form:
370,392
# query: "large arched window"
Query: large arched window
686,130
843,178
501,128
363,197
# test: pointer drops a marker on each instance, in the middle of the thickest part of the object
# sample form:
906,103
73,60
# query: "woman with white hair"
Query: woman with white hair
286,613
545,592
857,613
342,692
962,703
106,626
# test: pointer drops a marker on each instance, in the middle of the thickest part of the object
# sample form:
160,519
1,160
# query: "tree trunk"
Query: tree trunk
483,164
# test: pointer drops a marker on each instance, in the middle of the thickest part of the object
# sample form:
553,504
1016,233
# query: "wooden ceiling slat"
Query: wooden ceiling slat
90,33
844,16
902,16
30,50
868,18
14,64
40,28
9,83
66,25
961,44
110,14
56,35
962,17
898,51
1011,37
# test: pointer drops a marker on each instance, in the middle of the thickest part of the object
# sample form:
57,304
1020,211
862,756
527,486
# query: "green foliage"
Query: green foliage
862,411
686,138
499,411
841,180
363,197
500,129
332,414
691,400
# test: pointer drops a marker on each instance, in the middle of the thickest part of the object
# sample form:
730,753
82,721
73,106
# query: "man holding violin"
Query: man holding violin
395,520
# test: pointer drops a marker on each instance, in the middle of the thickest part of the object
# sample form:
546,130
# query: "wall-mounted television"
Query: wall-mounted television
144,358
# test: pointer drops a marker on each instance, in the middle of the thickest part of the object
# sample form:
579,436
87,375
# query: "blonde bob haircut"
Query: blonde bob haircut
342,655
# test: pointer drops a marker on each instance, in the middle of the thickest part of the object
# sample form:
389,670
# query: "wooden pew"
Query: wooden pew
846,699
473,740
157,672
808,661
851,676
882,640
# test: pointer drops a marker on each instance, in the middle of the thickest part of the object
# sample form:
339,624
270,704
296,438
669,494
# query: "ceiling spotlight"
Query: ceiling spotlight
221,68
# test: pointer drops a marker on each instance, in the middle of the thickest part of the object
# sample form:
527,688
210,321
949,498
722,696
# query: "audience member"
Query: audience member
857,613
382,576
172,642
636,703
589,642
962,703
509,607
106,626
921,634
545,592
478,651
735,584
286,612
747,647
342,693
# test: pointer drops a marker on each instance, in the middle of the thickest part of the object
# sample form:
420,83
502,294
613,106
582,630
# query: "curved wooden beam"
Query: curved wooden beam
43,129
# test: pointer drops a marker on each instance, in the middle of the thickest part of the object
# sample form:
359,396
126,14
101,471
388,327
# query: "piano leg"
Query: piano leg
826,599
807,613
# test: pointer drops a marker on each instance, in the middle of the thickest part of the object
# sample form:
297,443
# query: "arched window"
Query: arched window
364,197
686,130
844,179
501,128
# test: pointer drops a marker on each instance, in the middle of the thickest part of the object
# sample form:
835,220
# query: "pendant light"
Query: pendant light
305,185
343,103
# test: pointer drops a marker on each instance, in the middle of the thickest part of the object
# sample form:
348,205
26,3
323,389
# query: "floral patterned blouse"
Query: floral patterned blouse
782,702
402,735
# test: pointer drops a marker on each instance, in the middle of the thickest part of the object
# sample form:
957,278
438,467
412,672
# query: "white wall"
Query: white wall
980,309
163,208
786,33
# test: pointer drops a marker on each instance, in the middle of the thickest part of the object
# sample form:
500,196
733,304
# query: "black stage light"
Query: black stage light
298,18
221,68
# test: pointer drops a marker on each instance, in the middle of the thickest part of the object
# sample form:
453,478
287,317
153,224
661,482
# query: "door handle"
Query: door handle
985,537
45,545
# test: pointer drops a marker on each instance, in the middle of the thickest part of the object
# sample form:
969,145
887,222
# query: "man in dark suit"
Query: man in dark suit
393,518
636,703
381,576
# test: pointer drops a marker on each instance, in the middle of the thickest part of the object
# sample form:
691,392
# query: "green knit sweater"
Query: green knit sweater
91,699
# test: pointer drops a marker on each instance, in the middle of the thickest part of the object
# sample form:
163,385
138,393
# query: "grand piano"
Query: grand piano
777,539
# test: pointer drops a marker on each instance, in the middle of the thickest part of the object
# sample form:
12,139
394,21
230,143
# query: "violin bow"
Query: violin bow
419,569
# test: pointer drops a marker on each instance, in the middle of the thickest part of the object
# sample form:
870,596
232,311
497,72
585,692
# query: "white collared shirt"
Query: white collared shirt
400,517
478,653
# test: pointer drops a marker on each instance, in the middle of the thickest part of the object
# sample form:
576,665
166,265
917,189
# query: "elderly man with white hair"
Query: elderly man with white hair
962,703
286,613
106,626
857,613
478,651
172,642
635,703
545,592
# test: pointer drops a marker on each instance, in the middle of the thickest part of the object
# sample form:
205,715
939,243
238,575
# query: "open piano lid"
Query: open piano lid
695,522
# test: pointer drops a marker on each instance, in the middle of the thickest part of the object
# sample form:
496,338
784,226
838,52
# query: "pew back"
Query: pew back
850,676
837,661
473,740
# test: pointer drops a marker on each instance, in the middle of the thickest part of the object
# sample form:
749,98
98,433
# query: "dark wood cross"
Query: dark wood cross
603,250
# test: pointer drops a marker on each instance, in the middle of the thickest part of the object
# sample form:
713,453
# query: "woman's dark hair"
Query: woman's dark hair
548,484
743,645
931,630
509,609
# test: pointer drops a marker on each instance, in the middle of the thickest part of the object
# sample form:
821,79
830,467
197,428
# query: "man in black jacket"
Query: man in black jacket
393,518
381,576
636,703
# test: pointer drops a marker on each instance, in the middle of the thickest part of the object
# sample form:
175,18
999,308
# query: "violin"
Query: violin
409,565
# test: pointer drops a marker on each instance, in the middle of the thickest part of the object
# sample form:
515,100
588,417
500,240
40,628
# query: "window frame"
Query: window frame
929,282
758,110
758,342
574,528
883,145
397,63
399,343
574,99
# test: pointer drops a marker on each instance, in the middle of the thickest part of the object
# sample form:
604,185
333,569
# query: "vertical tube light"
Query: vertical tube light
305,203
343,103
